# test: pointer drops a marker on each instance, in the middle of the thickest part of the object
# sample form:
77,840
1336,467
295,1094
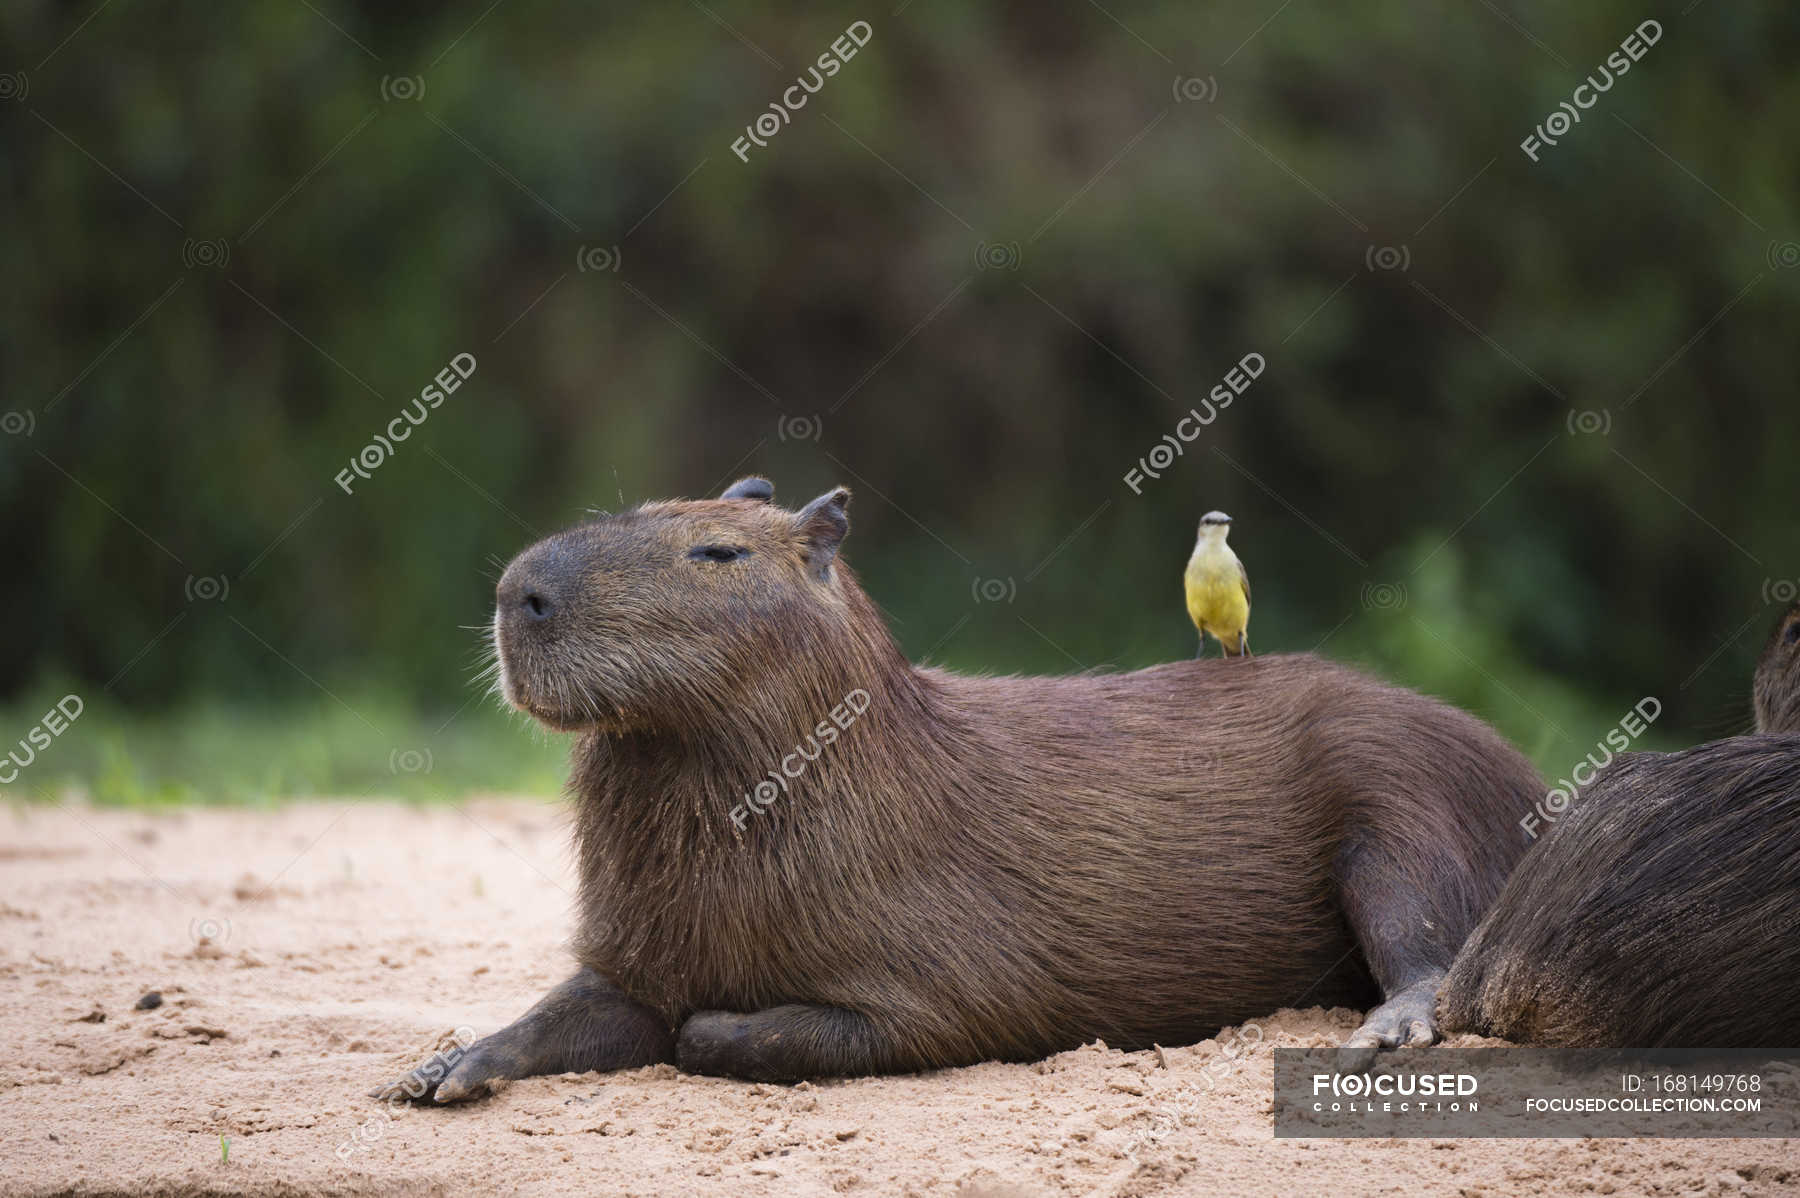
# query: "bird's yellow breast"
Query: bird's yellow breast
1215,595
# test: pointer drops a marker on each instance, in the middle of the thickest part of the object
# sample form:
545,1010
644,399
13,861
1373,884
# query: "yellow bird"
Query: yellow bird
1218,589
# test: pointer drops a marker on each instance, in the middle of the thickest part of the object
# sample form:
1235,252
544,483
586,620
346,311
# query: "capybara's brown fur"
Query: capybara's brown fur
941,869
1661,910
1776,691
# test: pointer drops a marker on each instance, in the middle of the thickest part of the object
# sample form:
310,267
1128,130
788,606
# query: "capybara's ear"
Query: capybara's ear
750,488
822,527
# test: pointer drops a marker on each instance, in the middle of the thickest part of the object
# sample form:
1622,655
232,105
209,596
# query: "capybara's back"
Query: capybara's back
1663,910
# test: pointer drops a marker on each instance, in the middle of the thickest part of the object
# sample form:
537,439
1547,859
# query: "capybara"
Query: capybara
1662,910
1776,690
801,855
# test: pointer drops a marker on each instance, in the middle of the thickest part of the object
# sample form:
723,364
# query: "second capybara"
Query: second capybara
1661,911
1775,693
801,855
1663,908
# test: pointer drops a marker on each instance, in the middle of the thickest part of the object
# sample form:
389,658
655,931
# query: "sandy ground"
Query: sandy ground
307,954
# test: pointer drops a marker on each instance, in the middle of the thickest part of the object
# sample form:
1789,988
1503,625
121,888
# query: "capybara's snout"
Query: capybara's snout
530,595
537,617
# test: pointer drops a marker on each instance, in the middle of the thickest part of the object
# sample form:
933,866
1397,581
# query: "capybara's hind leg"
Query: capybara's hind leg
1409,1016
584,1024
782,1044
1404,941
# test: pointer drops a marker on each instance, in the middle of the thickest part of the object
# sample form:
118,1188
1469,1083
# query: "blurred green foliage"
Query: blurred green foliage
207,750
1410,484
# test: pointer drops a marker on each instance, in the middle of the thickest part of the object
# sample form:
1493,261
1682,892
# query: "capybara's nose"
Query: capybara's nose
527,593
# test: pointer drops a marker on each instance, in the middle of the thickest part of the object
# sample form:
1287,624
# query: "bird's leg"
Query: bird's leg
1244,643
1200,649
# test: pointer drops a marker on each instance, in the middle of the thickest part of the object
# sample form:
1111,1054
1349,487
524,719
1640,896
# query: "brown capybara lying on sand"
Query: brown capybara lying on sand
801,855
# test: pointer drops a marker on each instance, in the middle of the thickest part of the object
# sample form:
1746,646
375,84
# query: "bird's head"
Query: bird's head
1214,528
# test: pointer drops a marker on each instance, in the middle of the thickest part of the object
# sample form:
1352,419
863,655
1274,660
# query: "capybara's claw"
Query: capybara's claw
460,1084
411,1087
1410,1017
453,1078
484,1068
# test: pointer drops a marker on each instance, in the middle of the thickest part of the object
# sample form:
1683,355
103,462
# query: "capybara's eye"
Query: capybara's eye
717,553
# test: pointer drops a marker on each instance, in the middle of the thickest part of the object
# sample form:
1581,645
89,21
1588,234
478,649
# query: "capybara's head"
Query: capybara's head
673,615
1777,691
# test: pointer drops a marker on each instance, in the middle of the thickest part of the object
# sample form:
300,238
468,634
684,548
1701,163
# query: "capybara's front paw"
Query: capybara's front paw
1410,1017
456,1074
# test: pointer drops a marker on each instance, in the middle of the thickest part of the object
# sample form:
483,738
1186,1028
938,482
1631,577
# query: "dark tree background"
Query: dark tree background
1524,437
